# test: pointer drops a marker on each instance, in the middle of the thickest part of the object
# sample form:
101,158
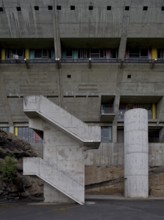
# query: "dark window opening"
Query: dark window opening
109,8
72,7
90,8
107,108
113,53
162,8
68,76
129,76
69,53
127,8
145,8
15,53
160,53
38,53
58,7
134,53
1,9
18,8
36,8
106,134
154,135
50,7
144,53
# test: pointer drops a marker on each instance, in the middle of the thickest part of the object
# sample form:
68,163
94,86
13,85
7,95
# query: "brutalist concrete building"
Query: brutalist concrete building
96,60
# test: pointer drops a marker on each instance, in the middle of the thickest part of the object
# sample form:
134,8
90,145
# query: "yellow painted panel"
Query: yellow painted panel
154,112
2,54
27,54
16,131
154,54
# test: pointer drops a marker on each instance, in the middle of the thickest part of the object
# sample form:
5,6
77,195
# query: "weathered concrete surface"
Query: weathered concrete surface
35,106
81,22
110,180
104,180
65,137
136,153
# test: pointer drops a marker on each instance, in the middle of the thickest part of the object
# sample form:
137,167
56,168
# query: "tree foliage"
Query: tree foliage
9,168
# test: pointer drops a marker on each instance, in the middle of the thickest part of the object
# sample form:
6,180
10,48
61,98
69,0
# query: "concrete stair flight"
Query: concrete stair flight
35,106
55,177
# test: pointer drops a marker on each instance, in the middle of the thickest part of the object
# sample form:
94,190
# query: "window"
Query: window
1,9
134,53
42,53
50,7
11,53
127,8
69,53
38,53
125,107
106,134
138,53
106,108
6,129
153,135
144,53
108,8
160,53
162,8
90,8
113,53
58,7
36,8
27,134
18,8
72,7
145,8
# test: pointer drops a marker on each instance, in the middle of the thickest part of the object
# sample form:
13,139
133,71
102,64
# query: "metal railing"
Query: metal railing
81,60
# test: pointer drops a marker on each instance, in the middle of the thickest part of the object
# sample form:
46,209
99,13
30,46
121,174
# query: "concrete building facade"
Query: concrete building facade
96,60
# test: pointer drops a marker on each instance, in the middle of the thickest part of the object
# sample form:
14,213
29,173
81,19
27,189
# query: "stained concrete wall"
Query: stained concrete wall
81,22
66,154
80,94
111,155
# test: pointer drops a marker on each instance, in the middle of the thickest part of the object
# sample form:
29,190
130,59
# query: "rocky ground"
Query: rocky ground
20,186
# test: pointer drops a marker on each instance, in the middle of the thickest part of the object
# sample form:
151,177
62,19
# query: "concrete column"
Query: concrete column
57,43
122,47
136,153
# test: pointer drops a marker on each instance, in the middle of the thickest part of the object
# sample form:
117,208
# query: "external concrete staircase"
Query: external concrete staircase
35,106
52,175
43,113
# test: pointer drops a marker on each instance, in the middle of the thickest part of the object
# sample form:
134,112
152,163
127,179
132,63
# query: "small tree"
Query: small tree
9,169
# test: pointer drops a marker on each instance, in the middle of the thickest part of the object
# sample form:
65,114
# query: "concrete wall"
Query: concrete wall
112,155
80,94
81,22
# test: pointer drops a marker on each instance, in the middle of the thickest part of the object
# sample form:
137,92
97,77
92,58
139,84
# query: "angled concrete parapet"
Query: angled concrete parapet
62,166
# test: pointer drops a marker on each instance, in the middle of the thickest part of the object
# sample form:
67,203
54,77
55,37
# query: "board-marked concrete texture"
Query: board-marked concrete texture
65,138
136,153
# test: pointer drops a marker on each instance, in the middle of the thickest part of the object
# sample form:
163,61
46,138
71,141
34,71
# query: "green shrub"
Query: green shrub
9,169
